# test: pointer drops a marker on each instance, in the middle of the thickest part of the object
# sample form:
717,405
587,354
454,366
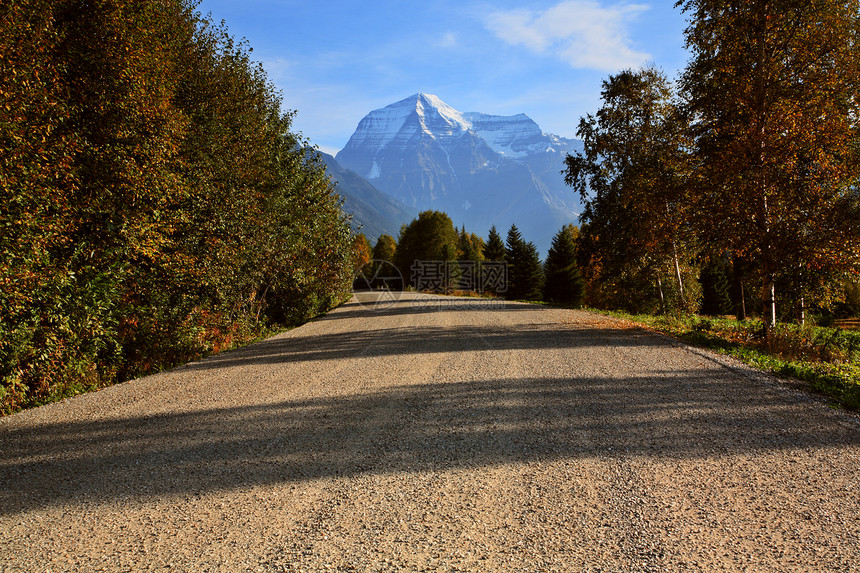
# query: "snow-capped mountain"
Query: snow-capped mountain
481,169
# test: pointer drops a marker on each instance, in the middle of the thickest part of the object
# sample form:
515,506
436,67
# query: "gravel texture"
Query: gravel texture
437,434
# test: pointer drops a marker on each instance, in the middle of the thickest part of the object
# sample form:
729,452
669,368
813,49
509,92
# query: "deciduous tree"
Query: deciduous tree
772,88
154,203
430,237
384,248
630,177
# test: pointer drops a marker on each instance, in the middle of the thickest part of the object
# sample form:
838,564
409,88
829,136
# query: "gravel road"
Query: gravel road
437,434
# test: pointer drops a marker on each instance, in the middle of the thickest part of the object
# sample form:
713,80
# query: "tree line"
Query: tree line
742,177
154,203
431,254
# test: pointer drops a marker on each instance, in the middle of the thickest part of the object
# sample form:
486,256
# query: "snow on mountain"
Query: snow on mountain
482,169
399,123
514,136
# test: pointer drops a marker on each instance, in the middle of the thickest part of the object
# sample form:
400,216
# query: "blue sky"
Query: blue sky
335,61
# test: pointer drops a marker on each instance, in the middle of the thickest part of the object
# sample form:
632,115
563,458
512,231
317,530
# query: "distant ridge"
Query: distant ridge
374,213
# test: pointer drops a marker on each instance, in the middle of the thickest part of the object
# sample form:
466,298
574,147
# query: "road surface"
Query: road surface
437,434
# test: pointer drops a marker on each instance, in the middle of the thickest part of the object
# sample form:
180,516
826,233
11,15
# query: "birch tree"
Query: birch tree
630,179
772,90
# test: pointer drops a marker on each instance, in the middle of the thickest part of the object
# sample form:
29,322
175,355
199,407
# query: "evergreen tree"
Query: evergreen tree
533,273
464,275
492,271
525,272
514,254
468,249
494,250
564,283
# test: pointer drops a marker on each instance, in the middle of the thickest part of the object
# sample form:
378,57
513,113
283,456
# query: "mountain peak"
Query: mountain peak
426,115
483,169
430,107
429,98
422,98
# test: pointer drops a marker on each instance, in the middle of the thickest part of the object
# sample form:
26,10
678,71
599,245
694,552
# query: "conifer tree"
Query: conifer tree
564,283
493,272
525,272
466,244
494,250
533,273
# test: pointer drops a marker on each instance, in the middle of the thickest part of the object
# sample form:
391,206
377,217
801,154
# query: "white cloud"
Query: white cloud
277,68
449,40
583,33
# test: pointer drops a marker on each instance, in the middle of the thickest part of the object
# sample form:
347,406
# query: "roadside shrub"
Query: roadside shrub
155,205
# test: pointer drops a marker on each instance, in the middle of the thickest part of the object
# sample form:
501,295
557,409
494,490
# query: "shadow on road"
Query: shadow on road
402,429
403,341
370,304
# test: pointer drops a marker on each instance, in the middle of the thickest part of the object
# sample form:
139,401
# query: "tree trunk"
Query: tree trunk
768,294
660,292
678,272
768,299
261,303
675,260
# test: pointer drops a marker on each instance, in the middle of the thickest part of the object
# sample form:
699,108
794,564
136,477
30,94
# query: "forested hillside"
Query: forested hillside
154,203
373,212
